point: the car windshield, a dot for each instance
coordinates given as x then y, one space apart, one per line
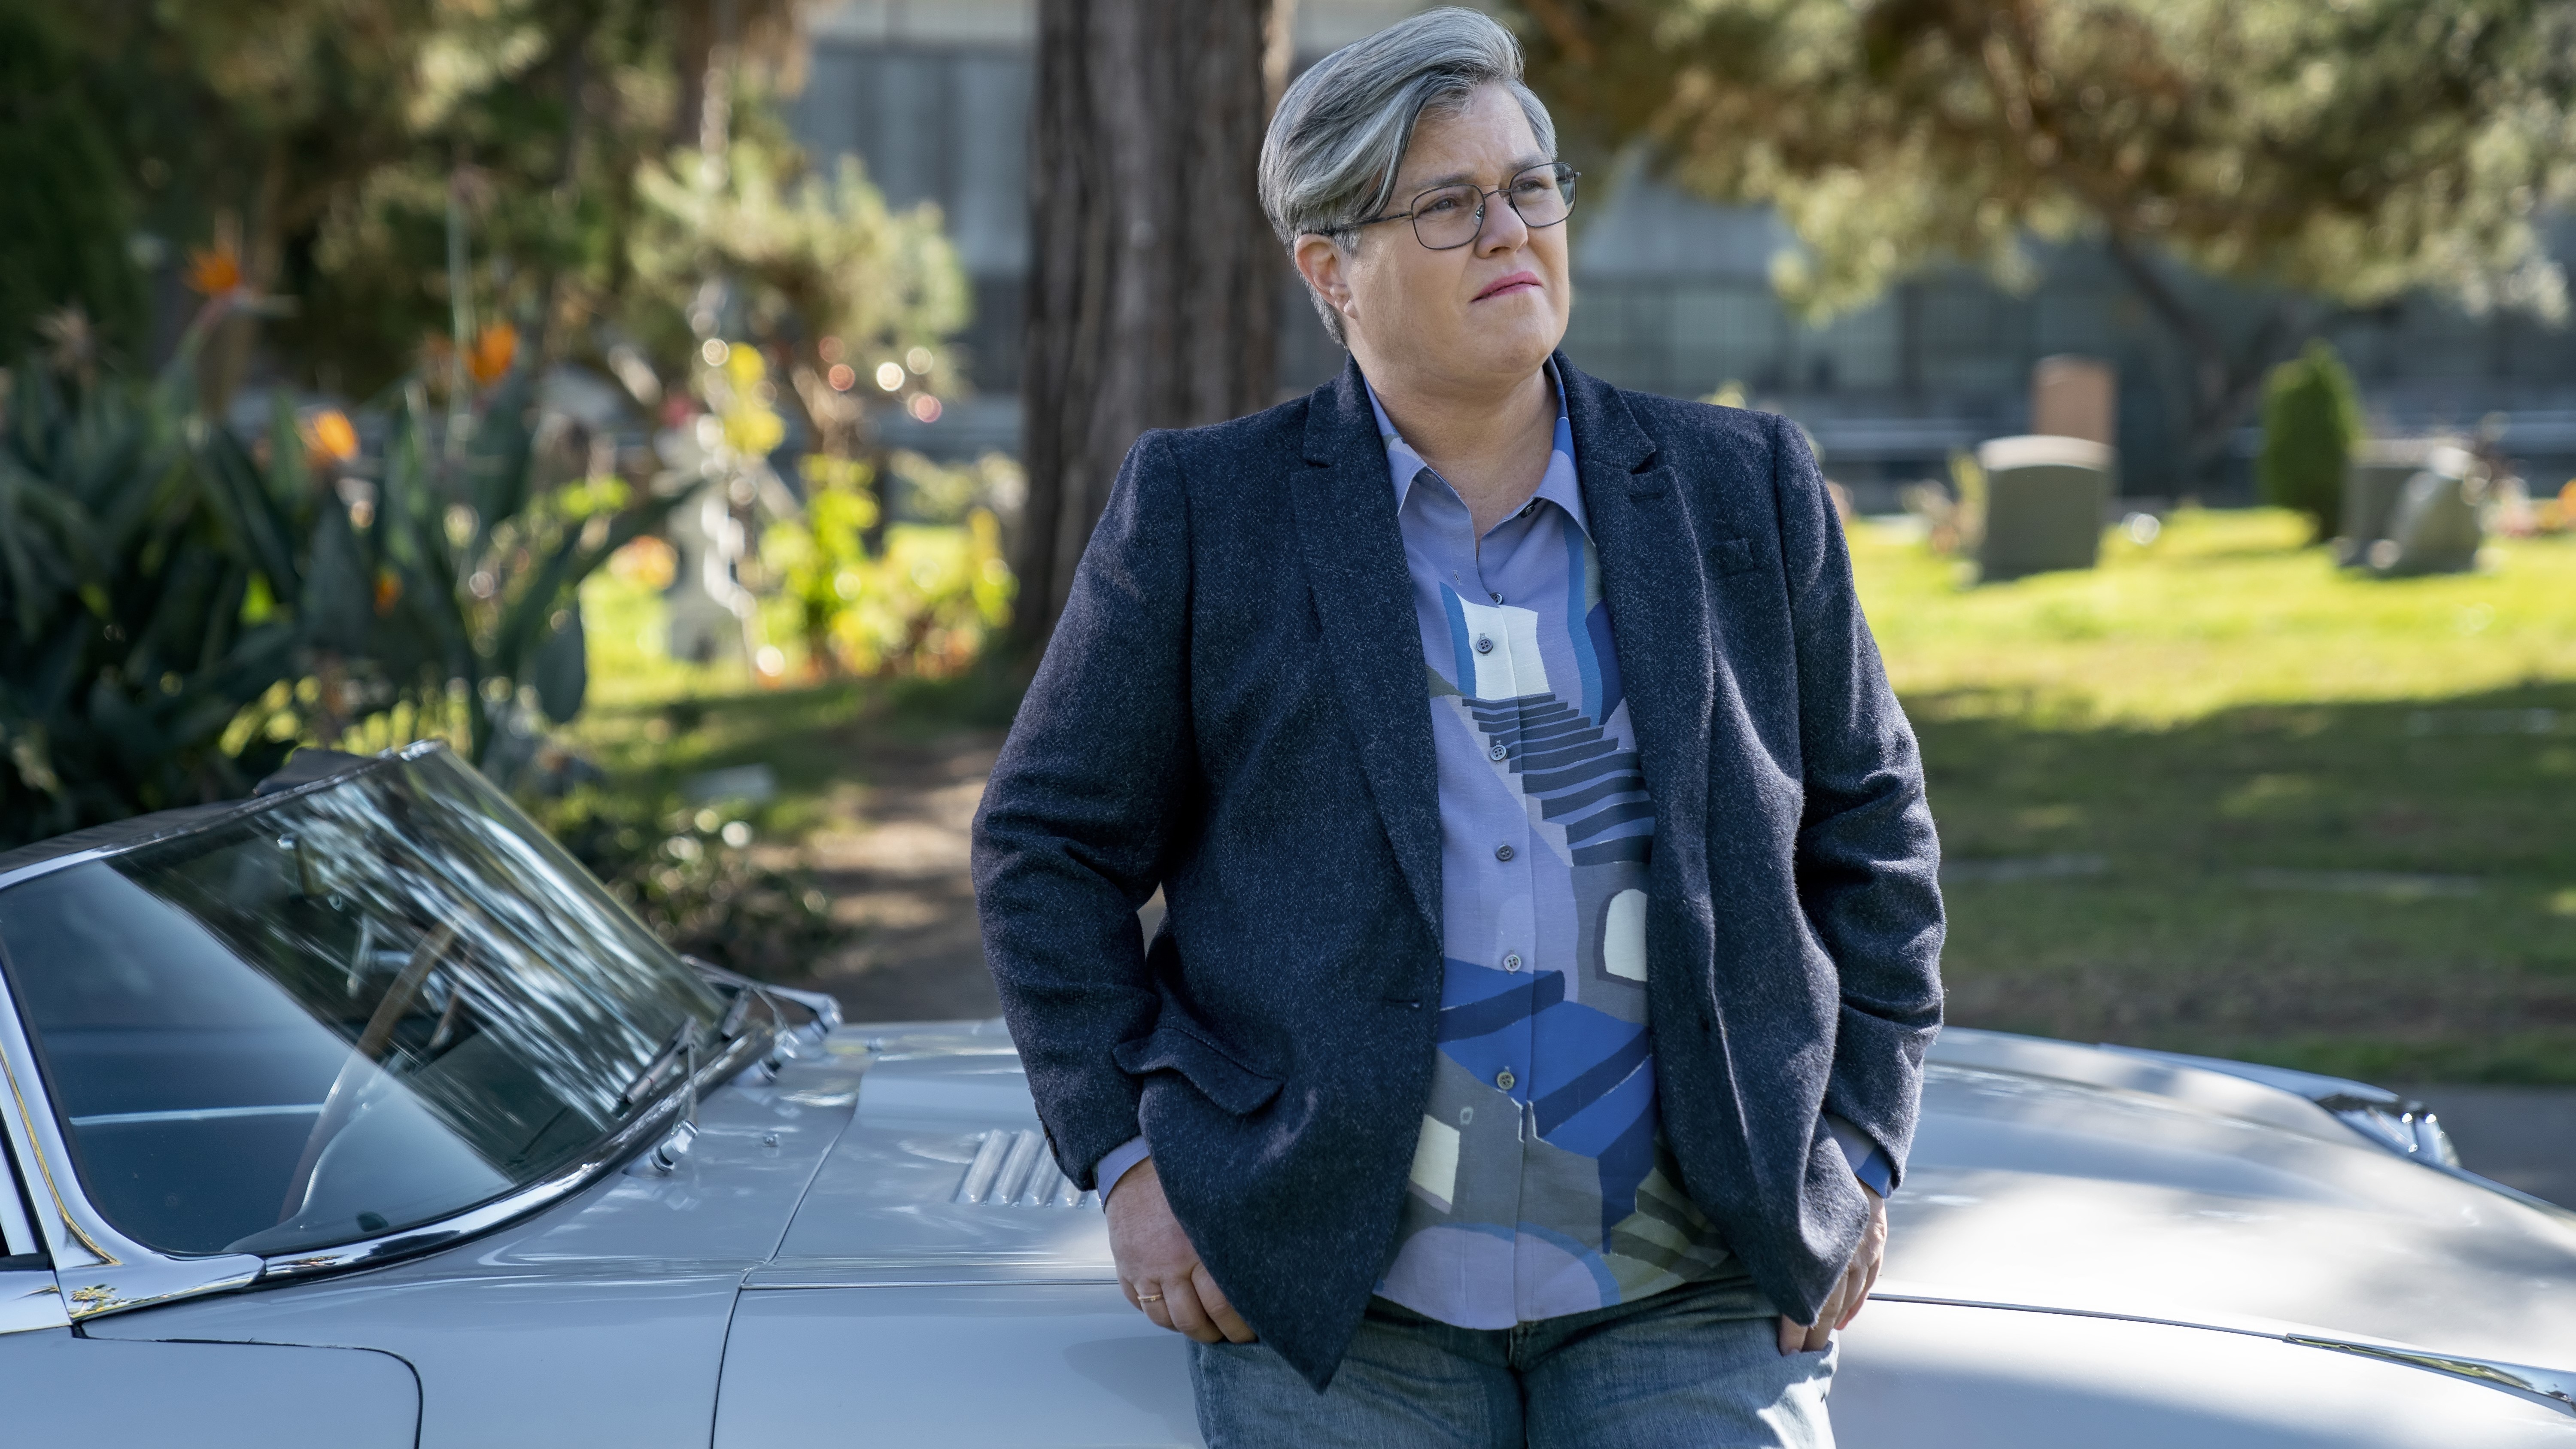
359 1010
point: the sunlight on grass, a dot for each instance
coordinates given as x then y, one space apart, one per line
2224 609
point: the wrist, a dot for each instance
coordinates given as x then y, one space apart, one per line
1136 1171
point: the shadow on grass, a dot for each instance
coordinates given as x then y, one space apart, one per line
2380 890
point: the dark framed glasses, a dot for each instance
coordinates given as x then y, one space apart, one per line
1446 217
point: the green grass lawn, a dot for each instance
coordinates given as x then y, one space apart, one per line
652 721
2216 796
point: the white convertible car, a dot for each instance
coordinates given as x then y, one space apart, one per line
355 1115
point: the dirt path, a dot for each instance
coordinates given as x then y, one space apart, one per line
899 871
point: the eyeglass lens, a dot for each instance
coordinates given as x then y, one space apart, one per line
1449 216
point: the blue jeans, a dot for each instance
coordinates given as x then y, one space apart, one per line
1688 1368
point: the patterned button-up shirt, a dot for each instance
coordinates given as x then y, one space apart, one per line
1540 1183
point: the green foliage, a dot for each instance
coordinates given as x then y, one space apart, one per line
2354 150
148 581
924 604
66 197
814 256
451 595
695 880
2311 420
817 559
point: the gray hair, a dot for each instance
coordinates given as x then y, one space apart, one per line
1341 131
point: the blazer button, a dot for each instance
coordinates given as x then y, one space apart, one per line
1502 852
1504 1079
1484 644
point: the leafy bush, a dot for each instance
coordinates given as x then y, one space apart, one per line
465 579
922 605
149 583
178 610
695 880
2311 420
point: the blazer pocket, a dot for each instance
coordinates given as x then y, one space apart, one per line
1730 556
1217 1075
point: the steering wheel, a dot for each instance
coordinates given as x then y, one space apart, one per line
342 1102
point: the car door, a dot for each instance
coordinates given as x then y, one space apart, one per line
58 1386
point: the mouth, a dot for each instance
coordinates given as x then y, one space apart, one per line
1516 282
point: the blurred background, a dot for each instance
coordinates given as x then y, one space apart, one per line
692 412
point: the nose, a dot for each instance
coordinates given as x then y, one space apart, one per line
1502 229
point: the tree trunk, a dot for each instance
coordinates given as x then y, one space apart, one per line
2226 381
1154 281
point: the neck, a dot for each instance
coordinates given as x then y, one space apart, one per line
1488 440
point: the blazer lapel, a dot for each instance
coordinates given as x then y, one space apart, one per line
1354 554
1650 573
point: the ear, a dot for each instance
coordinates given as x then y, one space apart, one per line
1325 265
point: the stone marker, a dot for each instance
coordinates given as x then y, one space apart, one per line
2411 506
2076 397
2045 501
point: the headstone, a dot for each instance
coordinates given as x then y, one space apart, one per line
2046 498
2411 506
2076 397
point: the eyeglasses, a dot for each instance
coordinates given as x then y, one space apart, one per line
1447 217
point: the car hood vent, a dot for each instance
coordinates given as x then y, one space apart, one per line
1014 1169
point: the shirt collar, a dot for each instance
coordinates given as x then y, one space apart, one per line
1557 486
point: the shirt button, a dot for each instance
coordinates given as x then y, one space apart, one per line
1484 644
1504 1079
1529 508
1498 598
1512 961
1502 852
1498 754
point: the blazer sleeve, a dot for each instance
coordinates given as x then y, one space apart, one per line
1868 863
1079 815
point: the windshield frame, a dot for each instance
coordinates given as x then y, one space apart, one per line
85 1245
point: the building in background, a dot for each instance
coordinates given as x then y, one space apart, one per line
1674 293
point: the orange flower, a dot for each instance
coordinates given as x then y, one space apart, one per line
490 356
388 592
331 437
214 271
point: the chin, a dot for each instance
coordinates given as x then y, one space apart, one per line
1518 345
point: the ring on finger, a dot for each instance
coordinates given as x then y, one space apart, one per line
1149 1297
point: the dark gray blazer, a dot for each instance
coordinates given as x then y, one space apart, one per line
1233 709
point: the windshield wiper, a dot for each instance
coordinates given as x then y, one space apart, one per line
683 1045
731 1025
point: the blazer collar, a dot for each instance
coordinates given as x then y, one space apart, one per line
1654 579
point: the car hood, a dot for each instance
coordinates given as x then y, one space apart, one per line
2044 1175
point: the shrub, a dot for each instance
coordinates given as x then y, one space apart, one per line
696 879
148 592
2311 420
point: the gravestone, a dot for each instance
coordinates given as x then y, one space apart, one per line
2411 506
2046 497
2075 397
